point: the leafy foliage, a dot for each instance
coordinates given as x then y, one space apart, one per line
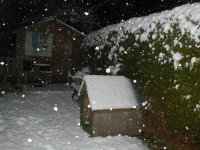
152 64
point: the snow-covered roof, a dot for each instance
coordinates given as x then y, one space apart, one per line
79 75
111 92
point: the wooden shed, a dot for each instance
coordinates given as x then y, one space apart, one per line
47 50
110 105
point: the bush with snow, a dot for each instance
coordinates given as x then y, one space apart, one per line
162 52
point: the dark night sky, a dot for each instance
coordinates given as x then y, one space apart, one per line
20 13
14 13
113 11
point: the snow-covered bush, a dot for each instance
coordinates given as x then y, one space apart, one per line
161 52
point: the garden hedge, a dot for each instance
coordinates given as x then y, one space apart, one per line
162 53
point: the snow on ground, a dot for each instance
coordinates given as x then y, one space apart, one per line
48 119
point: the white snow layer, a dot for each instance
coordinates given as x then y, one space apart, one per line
30 122
186 17
176 57
110 92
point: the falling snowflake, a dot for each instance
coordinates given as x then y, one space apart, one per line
29 140
55 108
134 107
97 48
86 13
2 63
144 103
108 70
76 136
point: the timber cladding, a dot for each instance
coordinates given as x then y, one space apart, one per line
64 54
117 121
110 122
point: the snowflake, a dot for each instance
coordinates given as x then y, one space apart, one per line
108 70
86 13
97 48
2 63
55 108
29 140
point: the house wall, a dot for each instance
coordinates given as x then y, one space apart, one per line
66 53
118 121
7 70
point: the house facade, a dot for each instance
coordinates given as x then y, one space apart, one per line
47 51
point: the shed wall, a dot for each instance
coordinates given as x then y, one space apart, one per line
86 113
110 122
119 121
